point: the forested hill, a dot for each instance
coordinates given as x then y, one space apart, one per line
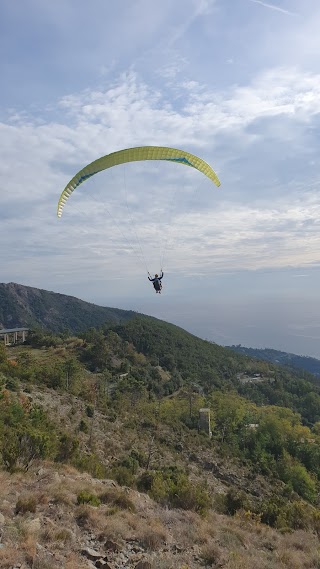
28 306
175 349
312 365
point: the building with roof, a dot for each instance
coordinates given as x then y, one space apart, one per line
13 335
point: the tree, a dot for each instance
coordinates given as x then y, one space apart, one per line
72 370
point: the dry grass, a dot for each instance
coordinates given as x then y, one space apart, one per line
108 496
73 561
153 536
252 560
53 534
300 540
117 498
26 504
4 485
9 557
292 559
61 495
67 469
29 547
43 562
232 537
121 526
213 555
64 535
90 518
123 501
173 538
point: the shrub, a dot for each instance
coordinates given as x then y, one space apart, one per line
108 496
286 515
154 538
85 497
12 384
21 446
123 501
26 504
89 411
212 555
172 487
83 426
122 475
117 500
131 463
298 478
68 447
235 500
90 463
144 482
63 535
140 457
295 515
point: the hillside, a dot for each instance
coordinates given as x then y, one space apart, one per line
44 525
311 365
188 360
103 464
28 306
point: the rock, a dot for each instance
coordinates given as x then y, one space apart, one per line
2 520
177 549
102 564
137 549
136 557
112 546
92 554
143 565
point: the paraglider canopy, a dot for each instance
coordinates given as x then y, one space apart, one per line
139 153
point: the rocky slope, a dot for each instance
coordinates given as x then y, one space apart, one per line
43 526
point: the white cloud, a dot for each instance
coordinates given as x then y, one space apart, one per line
214 234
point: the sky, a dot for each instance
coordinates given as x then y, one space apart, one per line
236 82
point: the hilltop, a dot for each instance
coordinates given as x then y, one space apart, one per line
22 305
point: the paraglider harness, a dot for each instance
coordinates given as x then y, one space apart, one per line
157 284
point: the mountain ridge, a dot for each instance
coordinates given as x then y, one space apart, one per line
22 305
279 357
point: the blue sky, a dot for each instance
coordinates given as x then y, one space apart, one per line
236 82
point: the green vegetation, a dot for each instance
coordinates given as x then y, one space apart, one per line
151 378
86 497
306 363
26 306
171 487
